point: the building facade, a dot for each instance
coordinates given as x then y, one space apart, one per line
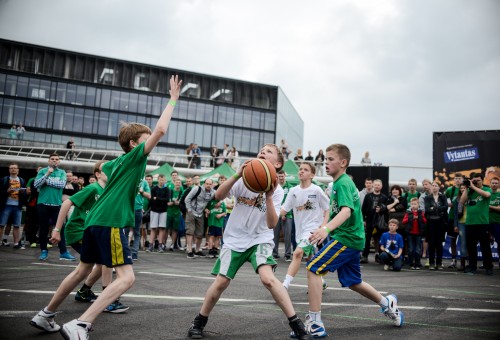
59 94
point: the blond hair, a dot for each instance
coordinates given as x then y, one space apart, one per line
341 150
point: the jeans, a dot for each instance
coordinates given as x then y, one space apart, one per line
137 233
46 215
286 225
391 261
479 233
12 213
462 238
414 249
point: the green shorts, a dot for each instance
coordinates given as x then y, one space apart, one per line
173 222
230 261
307 247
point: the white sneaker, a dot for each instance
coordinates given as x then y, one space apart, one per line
45 322
386 267
392 311
315 328
76 330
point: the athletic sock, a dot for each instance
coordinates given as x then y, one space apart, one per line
85 287
293 318
315 316
384 303
288 280
48 312
202 317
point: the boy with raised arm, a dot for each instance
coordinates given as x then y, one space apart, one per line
105 239
249 237
341 254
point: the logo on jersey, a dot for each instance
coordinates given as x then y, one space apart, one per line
307 206
257 202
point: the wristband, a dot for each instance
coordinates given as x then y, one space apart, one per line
236 176
327 230
57 229
172 102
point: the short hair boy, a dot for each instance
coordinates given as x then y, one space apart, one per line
346 228
391 246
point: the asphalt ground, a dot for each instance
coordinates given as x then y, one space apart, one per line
169 290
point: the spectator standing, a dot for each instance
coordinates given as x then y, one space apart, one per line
436 207
225 153
189 157
234 157
196 156
298 157
309 157
285 222
31 219
174 213
459 219
415 222
196 201
320 159
50 182
70 145
143 192
427 184
216 211
396 207
391 247
81 182
13 132
158 203
12 199
20 131
366 161
477 199
92 179
451 194
374 210
214 152
495 211
70 188
285 149
412 191
366 190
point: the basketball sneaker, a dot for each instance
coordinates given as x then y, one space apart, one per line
196 329
392 311
116 308
45 322
299 331
85 295
76 329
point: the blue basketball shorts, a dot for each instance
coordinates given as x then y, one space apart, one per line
106 245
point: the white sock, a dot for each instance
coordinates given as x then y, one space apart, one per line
384 303
315 316
47 311
288 280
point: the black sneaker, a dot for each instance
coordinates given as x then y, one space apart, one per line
288 259
86 295
199 253
190 255
299 330
196 329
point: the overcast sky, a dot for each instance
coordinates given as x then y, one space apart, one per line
375 75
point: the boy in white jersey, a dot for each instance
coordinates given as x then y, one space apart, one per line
249 237
309 204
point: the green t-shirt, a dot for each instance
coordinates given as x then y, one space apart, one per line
451 193
478 208
213 221
140 201
115 208
409 196
48 194
286 188
174 210
345 194
83 201
495 201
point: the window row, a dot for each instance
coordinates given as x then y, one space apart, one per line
68 119
123 101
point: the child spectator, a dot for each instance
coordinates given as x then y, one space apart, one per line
174 213
415 222
216 211
391 247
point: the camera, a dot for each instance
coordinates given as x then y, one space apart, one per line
466 181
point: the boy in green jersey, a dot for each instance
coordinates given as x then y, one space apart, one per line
174 212
216 211
105 239
341 254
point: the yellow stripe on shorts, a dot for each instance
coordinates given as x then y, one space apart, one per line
324 252
116 247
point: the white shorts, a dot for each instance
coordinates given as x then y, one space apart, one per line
158 220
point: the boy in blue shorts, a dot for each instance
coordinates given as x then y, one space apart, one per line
341 254
249 237
216 211
105 239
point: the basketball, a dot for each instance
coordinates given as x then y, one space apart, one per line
259 175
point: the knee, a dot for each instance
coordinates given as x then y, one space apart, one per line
269 281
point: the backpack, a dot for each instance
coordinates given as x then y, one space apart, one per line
182 203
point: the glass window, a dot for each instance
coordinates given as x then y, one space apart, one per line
10 85
124 97
237 138
103 119
58 118
71 94
69 114
88 120
113 124
61 93
105 98
50 117
44 92
245 140
78 120
42 115
238 117
80 94
229 116
7 111
191 112
190 128
19 111
143 103
156 106
31 117
268 138
255 142
34 89
182 109
3 79
198 135
181 133
228 137
200 112
22 87
207 135
219 136
172 132
270 121
247 118
53 91
115 100
255 120
98 94
90 96
133 101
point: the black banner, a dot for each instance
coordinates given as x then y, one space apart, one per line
466 152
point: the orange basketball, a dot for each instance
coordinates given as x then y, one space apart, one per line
259 175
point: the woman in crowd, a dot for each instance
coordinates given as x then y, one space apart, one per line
436 207
214 152
396 206
319 159
299 157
